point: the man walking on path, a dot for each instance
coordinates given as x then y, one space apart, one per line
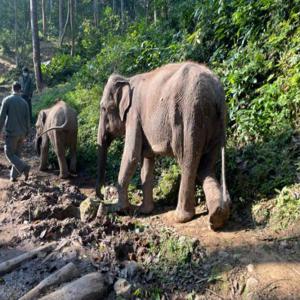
14 117
27 88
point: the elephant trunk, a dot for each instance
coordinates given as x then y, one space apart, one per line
101 164
103 142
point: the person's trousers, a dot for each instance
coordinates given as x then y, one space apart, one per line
12 149
28 100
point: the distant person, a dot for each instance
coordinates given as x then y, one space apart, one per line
27 88
15 118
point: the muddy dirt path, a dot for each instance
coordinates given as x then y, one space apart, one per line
240 262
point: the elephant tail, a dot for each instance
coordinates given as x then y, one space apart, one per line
61 127
225 194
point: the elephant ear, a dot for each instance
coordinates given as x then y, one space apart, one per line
123 98
43 117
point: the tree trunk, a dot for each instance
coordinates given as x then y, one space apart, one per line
71 7
16 34
50 10
96 12
146 2
66 25
114 6
75 8
44 17
122 12
60 17
35 45
155 14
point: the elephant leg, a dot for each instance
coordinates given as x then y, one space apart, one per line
44 153
73 161
147 185
218 209
61 157
130 158
185 210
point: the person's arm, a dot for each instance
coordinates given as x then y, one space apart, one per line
21 83
3 114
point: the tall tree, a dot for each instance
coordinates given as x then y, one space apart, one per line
35 44
154 13
50 10
122 12
44 16
16 34
114 6
96 12
65 27
60 18
71 7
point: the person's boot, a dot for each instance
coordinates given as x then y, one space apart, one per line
26 173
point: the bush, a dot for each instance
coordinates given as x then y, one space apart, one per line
61 68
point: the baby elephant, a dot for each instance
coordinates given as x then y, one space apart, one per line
58 125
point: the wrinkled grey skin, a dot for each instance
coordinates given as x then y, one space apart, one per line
177 110
57 125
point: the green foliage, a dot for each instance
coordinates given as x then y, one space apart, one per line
168 184
173 251
287 206
61 68
256 170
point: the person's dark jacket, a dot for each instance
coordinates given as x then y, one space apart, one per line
14 116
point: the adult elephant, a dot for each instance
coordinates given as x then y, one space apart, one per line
176 110
57 125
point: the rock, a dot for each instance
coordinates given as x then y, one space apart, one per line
88 209
251 284
131 269
250 268
4 196
122 288
284 244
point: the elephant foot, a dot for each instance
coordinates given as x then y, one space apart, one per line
42 168
146 209
73 172
64 176
218 217
182 216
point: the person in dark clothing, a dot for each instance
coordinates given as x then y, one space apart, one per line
27 87
15 119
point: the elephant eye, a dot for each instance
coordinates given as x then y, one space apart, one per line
111 109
